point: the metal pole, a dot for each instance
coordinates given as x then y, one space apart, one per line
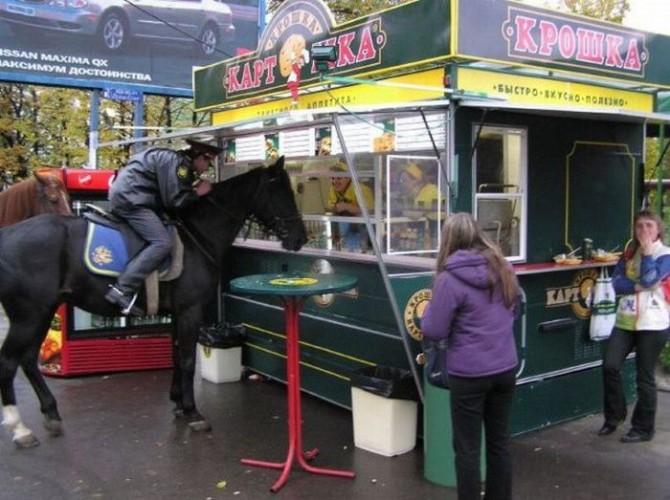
94 119
660 171
382 265
138 120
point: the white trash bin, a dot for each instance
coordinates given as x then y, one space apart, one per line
382 425
384 410
220 365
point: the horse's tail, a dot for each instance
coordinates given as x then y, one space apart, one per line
3 265
4 269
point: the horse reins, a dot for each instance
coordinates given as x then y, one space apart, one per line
278 222
277 225
196 242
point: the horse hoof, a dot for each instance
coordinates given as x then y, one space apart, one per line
53 427
200 426
27 441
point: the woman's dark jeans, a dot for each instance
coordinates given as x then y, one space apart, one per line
488 401
648 345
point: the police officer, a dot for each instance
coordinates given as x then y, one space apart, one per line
154 181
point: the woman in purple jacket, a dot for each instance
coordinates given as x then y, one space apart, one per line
474 304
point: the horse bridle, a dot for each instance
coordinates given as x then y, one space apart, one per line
278 224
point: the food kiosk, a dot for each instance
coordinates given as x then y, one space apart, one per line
533 120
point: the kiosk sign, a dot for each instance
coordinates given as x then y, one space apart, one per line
551 38
293 31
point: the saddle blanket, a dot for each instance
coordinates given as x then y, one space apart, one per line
105 251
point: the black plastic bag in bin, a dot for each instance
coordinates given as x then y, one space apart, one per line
222 335
386 381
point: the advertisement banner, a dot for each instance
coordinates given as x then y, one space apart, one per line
148 45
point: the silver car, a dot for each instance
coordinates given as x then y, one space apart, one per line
114 23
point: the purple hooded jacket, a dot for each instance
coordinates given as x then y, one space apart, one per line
479 327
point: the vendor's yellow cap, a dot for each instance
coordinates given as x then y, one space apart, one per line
339 167
414 170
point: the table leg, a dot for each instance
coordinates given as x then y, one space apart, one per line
292 306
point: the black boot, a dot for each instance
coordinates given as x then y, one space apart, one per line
124 300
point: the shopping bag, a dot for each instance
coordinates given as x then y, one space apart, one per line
603 307
435 352
665 286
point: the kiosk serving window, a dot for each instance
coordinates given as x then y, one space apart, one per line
500 174
414 194
391 158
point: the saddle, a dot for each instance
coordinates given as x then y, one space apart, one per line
111 243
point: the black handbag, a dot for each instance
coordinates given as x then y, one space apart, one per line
435 352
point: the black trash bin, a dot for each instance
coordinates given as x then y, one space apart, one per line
384 409
220 352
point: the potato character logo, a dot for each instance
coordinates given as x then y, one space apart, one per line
326 146
385 142
294 44
292 57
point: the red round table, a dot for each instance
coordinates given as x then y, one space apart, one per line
294 289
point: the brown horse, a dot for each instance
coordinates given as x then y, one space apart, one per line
43 193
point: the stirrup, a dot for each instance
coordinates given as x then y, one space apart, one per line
129 308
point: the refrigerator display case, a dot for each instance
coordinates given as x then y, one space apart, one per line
81 343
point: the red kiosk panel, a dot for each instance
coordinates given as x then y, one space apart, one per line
80 343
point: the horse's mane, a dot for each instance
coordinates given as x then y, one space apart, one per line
18 202
234 190
232 195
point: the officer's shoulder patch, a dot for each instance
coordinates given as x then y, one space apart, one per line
182 172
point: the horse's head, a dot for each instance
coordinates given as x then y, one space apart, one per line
274 207
52 195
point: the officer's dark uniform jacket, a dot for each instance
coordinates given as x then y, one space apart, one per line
154 181
158 178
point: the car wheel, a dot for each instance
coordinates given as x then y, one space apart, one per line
114 32
209 40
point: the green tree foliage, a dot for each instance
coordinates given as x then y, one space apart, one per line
44 126
606 10
17 130
344 10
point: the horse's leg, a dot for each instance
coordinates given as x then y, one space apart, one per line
184 352
22 348
48 405
175 387
13 349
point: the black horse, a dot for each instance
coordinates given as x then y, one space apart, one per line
42 265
